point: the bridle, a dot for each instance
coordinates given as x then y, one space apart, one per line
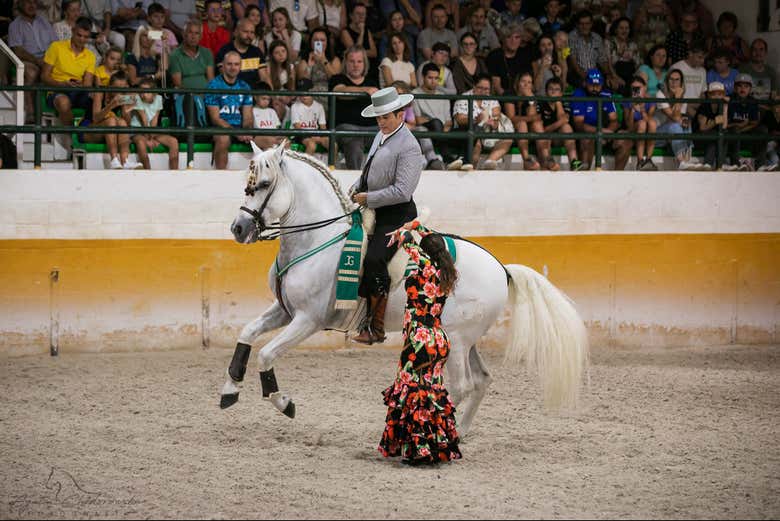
252 187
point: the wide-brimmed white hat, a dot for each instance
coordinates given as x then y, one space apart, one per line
385 101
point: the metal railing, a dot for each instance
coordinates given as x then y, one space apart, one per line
469 135
19 112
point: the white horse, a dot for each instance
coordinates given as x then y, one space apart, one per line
297 190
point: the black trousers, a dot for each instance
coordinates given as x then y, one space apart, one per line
376 279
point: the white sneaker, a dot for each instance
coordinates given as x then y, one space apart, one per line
768 168
467 167
455 165
687 165
729 168
132 165
489 164
115 164
704 167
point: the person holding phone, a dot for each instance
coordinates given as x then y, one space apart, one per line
143 62
638 118
128 16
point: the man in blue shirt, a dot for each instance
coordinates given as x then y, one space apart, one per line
229 110
585 113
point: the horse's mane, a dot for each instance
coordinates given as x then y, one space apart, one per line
319 166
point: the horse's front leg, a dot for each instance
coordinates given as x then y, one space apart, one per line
273 318
299 329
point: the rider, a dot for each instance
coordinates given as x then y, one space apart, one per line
387 184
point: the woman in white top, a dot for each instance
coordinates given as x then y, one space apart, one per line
255 15
282 29
333 16
397 65
672 117
71 11
280 75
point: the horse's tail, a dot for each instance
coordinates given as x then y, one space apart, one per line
548 332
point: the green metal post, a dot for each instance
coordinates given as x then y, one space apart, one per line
332 127
190 98
599 123
37 134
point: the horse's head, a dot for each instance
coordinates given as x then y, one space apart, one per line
266 199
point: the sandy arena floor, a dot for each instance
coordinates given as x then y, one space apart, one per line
664 433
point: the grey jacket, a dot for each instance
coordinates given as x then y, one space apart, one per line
395 170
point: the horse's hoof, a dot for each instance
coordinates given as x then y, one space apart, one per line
288 411
227 400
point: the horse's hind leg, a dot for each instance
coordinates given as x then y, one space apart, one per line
299 329
273 318
480 381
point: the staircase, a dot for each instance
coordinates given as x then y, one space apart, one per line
53 155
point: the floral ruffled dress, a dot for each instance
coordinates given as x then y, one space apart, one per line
420 425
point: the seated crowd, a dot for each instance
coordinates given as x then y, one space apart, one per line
662 50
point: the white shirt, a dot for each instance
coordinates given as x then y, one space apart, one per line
399 70
461 106
695 79
266 118
659 115
385 137
308 116
299 11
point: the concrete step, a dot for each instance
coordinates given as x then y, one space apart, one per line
47 165
53 151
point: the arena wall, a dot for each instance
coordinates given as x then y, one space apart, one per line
136 261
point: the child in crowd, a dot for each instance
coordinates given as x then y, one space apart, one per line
744 117
525 118
562 45
556 119
112 62
638 118
156 18
107 111
552 22
771 123
215 36
306 113
710 118
265 117
146 113
722 71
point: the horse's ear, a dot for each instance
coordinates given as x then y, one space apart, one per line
279 150
255 149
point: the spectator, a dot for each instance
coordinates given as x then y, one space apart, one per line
348 110
112 62
433 115
493 16
673 117
721 71
587 48
487 118
556 119
143 62
694 74
99 13
396 66
356 34
229 110
638 118
191 67
252 58
70 64
146 113
585 115
744 117
308 114
214 36
680 40
467 66
433 161
396 24
71 11
225 21
654 69
771 122
623 57
548 65
552 22
303 13
727 38
128 16
412 13
265 117
437 32
451 7
653 21
703 15
764 76
710 118
156 17
512 15
525 118
441 56
332 15
486 36
255 17
29 36
319 63
508 62
244 8
177 14
107 112
614 13
283 30
280 75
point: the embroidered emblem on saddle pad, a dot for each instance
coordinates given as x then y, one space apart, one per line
351 263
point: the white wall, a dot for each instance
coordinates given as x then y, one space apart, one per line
201 205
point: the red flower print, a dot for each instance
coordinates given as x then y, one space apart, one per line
414 255
430 289
436 310
406 378
422 336
439 337
412 293
412 357
429 271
